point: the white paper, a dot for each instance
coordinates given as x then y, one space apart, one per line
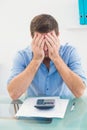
28 110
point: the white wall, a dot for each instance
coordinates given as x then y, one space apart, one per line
15 17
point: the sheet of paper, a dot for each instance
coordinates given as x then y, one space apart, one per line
28 110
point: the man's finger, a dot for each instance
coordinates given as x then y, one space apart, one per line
42 44
34 37
50 40
37 39
48 45
54 35
40 41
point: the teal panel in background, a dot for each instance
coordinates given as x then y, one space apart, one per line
81 11
85 11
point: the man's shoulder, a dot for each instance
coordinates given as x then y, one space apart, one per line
67 46
24 54
66 50
26 50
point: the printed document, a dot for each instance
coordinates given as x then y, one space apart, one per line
28 108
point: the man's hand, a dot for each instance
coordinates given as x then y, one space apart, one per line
37 47
53 44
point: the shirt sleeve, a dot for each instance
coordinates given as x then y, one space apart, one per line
76 66
17 67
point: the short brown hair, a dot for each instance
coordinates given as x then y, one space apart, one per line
43 23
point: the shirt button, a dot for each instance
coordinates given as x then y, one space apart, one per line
47 88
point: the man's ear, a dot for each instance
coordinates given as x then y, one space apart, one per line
58 34
31 35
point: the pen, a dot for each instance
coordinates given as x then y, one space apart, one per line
73 106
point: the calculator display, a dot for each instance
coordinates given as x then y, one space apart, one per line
45 103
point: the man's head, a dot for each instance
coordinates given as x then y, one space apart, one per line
43 23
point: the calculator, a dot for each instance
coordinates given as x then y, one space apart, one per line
45 103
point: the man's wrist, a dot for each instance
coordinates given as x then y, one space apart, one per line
56 59
37 61
33 66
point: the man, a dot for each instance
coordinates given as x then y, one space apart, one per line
46 68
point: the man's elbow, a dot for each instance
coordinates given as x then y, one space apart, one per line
12 94
80 93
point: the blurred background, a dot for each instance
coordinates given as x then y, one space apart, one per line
15 18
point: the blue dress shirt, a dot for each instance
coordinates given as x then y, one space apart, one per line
49 83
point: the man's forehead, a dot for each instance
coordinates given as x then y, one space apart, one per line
44 33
